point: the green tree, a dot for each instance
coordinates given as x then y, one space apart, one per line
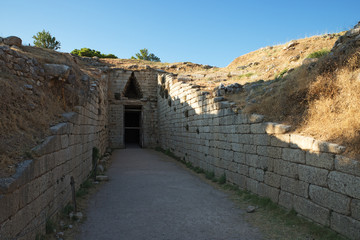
87 52
144 55
45 40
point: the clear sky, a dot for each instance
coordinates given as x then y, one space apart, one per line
199 31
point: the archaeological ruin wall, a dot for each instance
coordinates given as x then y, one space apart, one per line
132 107
297 172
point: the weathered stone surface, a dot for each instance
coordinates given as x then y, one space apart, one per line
275 128
329 199
256 118
102 178
345 225
297 187
355 209
12 40
313 175
272 179
273 152
321 146
311 210
286 199
261 139
293 155
298 141
59 129
321 160
286 168
270 192
256 173
280 140
347 165
57 70
344 183
258 128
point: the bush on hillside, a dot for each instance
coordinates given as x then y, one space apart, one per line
319 54
87 52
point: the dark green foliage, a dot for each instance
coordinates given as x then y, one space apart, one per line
319 54
67 209
50 226
87 52
209 175
145 55
222 179
45 40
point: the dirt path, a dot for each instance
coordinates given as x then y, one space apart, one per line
150 196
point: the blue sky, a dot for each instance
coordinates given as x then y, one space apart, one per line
199 31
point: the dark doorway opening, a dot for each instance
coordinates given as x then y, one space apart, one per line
132 125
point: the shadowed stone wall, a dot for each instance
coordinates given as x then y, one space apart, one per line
294 171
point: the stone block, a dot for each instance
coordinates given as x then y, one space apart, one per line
302 142
250 149
344 183
256 118
236 147
329 199
285 168
256 173
251 159
345 225
243 128
243 169
275 128
347 165
64 141
311 210
293 155
286 199
270 192
296 187
240 180
258 128
313 175
245 138
272 179
321 146
239 157
261 139
252 185
355 209
321 160
280 140
273 152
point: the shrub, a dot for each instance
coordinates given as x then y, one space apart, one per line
87 52
319 54
45 40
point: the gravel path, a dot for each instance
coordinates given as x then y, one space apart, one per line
150 196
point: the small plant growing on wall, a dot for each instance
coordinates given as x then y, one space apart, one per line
169 102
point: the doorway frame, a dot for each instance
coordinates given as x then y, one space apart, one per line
134 108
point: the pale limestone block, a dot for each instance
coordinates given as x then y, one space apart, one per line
313 175
302 142
272 179
355 208
296 187
286 199
321 146
344 183
239 157
64 141
275 128
321 160
256 118
345 225
347 165
270 192
311 210
280 140
240 180
286 168
261 139
257 128
293 155
329 199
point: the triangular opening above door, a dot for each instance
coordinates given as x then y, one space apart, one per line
132 88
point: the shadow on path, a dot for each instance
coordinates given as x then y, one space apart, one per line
149 196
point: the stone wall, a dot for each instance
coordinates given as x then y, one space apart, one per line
147 80
41 185
297 172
